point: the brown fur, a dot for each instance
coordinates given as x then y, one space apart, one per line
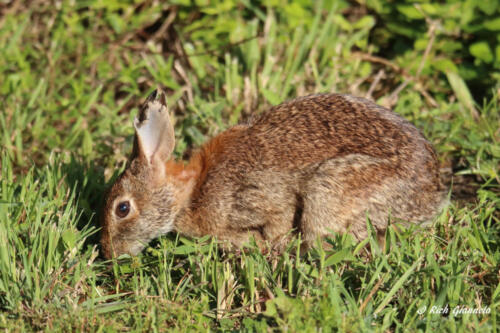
315 164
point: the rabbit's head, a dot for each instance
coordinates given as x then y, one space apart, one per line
144 201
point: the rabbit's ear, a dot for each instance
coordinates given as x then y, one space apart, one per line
155 138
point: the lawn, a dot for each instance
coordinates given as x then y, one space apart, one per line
72 75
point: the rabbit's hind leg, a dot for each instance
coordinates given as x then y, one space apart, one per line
343 192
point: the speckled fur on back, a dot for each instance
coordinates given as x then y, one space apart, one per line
312 165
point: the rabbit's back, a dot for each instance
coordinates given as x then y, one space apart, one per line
314 164
314 128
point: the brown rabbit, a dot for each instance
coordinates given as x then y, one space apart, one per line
312 165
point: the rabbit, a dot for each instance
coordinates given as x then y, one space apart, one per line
312 165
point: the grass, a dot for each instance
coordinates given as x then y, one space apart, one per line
71 78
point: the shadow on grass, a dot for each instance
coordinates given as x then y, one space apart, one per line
90 186
464 188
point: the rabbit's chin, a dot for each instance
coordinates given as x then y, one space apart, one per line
136 248
165 229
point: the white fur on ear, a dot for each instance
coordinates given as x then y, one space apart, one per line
154 130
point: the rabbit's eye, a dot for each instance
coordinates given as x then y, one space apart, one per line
123 209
